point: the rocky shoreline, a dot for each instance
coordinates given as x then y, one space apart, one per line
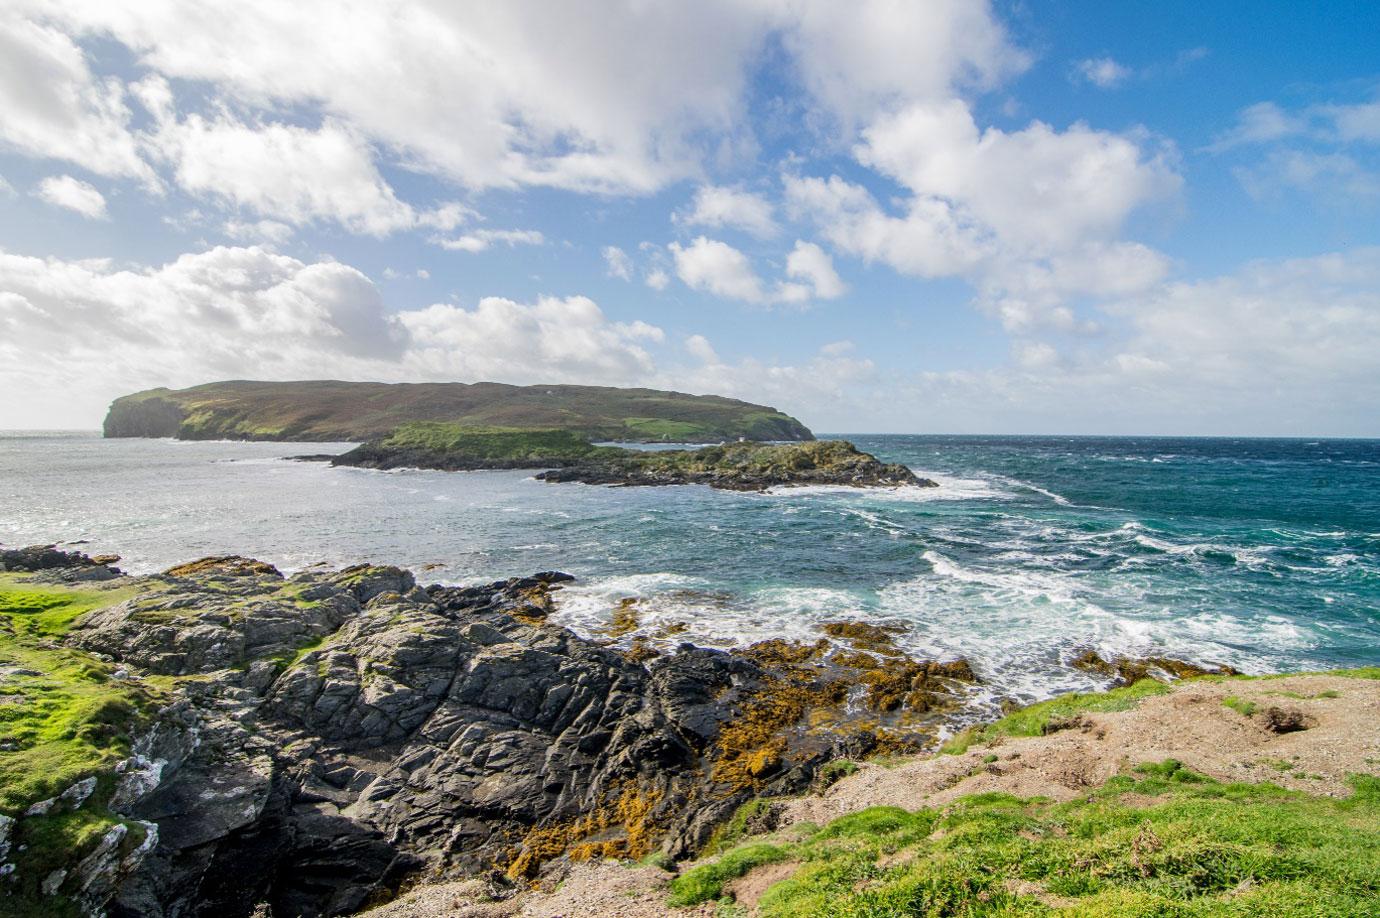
318 741
220 738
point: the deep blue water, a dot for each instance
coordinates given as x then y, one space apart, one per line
1264 554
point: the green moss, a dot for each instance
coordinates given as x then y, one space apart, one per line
289 659
706 882
50 611
57 840
1039 719
1201 848
63 715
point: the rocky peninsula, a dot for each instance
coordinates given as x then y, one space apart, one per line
566 457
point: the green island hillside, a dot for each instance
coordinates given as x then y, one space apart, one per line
328 410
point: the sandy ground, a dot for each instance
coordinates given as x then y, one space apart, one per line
1191 724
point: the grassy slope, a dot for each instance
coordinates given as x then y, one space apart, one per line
503 443
63 717
329 410
1164 841
1161 842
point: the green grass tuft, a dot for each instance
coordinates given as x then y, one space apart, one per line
1201 848
706 882
1039 719
1240 705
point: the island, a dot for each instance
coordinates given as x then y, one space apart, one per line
567 457
332 411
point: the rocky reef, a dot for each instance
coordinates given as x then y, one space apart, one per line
741 466
221 737
744 467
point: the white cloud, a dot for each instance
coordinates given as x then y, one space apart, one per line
700 348
1356 122
714 206
1034 187
860 59
6 189
810 263
283 172
484 239
269 231
1323 150
658 279
524 93
1288 347
718 268
77 333
551 340
73 194
829 384
1102 72
1031 217
54 107
618 263
1260 123
1337 176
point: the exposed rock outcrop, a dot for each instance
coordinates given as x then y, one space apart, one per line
744 467
327 737
738 466
51 558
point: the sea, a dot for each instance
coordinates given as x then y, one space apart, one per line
1262 554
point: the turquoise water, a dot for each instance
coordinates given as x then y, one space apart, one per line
1264 554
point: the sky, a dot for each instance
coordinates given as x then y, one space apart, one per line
938 217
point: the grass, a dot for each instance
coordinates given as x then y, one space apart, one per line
706 882
1198 848
670 431
1240 705
1046 716
63 717
490 442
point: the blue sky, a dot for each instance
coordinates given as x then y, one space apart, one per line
947 217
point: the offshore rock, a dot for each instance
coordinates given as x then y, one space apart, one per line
745 467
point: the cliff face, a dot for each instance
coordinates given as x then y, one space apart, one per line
332 410
147 416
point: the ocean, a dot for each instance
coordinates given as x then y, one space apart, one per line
1260 554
